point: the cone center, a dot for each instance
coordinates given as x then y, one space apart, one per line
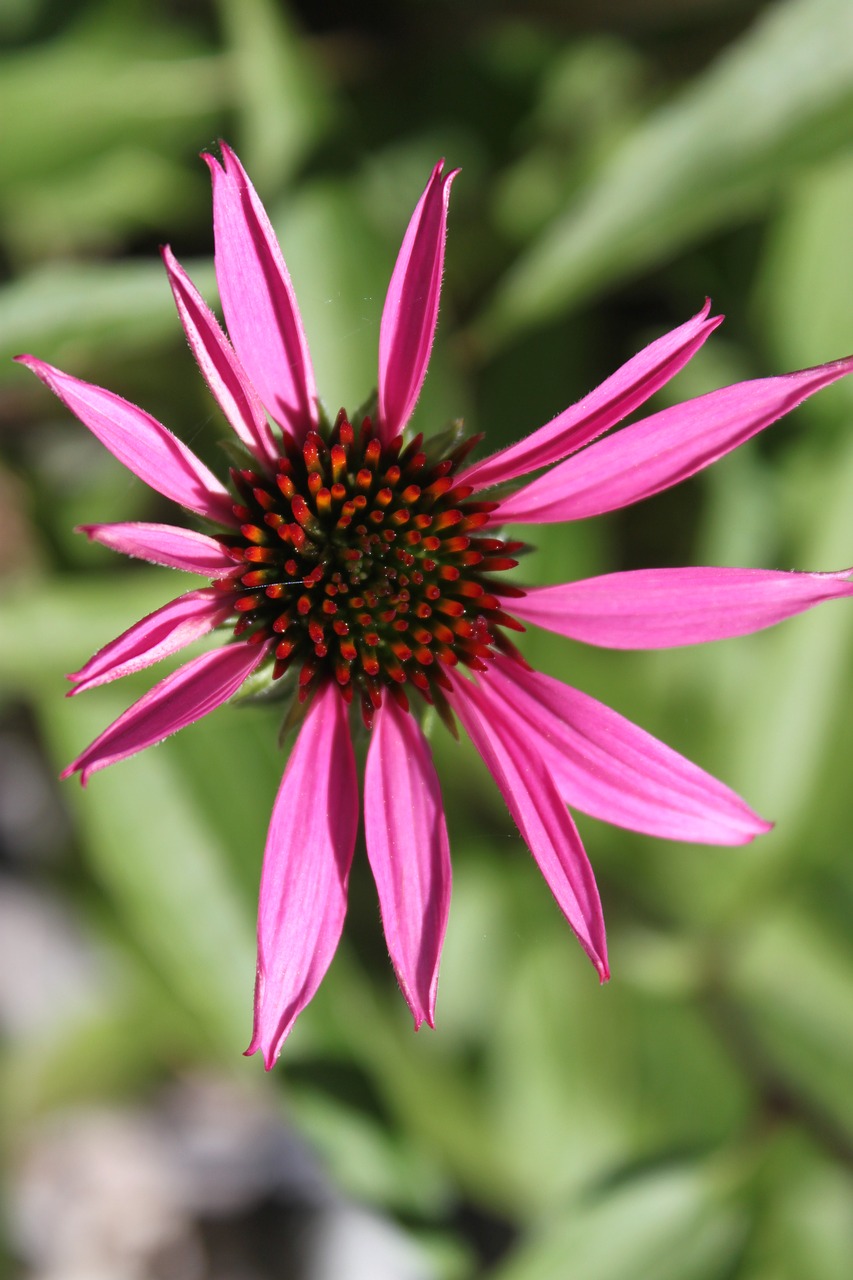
368 565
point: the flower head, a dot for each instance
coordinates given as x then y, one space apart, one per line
367 571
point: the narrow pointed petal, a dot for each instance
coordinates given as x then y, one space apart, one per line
621 393
140 442
164 544
663 608
309 850
612 769
183 697
411 306
222 371
258 300
409 853
648 456
503 740
165 631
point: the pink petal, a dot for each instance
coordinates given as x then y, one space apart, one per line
186 695
651 455
303 898
411 306
163 632
409 853
503 740
140 442
222 371
164 544
611 769
661 608
258 299
608 404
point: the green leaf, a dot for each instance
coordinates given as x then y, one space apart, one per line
282 101
340 265
338 268
711 156
583 1080
429 1095
161 862
70 314
114 78
802 303
50 625
661 1226
93 207
802 1223
130 1025
783 685
793 982
366 1158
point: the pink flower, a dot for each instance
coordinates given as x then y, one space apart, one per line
362 568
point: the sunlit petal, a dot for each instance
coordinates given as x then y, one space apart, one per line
411 306
610 768
183 697
222 371
409 853
164 544
504 743
661 608
258 299
605 406
648 456
303 896
140 442
161 633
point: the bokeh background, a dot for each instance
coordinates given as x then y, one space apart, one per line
694 1119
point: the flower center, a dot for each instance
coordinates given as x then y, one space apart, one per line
364 564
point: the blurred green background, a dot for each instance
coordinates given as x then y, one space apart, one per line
694 1119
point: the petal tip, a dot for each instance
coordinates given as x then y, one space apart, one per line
707 323
269 1055
31 362
215 168
421 1016
748 829
231 161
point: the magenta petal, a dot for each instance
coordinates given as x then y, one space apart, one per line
163 632
661 608
140 442
231 389
189 693
309 850
164 544
411 306
621 393
648 456
409 853
258 300
613 770
503 739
